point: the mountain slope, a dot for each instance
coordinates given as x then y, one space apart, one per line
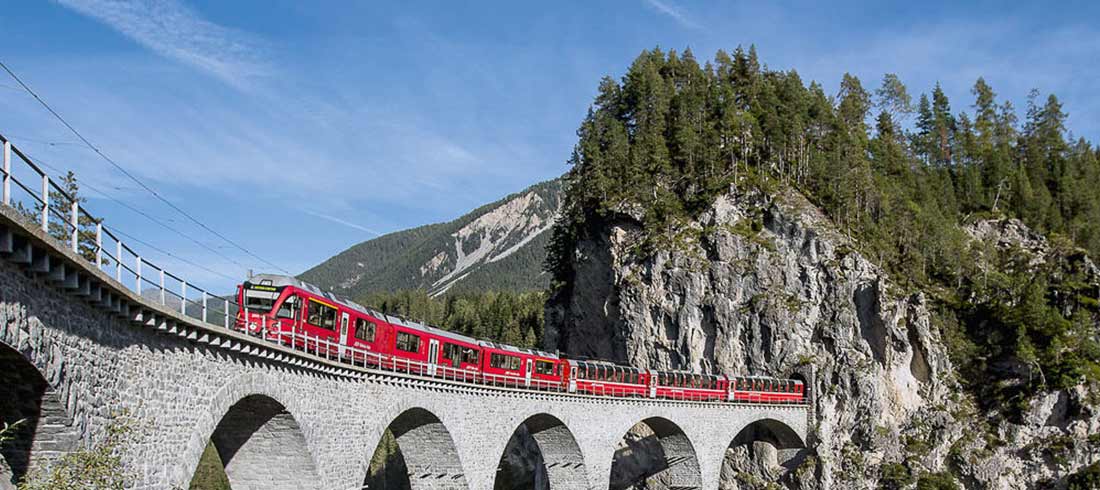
500 245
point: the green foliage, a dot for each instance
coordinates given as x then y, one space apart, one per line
504 316
894 476
659 145
210 474
387 470
1088 478
98 467
936 481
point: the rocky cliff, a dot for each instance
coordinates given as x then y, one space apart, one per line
767 286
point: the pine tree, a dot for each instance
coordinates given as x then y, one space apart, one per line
943 128
893 97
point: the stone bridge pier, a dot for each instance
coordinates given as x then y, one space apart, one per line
79 352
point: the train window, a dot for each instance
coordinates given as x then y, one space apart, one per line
260 300
544 367
407 342
501 361
289 308
451 352
364 330
321 315
469 355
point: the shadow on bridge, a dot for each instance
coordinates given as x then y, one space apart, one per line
262 447
542 454
655 453
416 453
44 431
767 449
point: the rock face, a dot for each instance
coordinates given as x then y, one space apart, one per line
766 286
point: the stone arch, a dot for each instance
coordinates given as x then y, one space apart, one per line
259 440
655 453
541 454
423 448
768 449
45 431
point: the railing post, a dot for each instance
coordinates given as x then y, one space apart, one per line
137 275
76 226
227 313
162 302
45 203
7 173
204 306
183 297
98 245
118 260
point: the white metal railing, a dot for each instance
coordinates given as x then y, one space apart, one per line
63 217
60 215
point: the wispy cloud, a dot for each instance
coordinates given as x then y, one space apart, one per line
675 12
175 31
343 222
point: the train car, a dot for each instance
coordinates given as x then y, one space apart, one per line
292 312
605 378
512 366
682 385
423 349
756 389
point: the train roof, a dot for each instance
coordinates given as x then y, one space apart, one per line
280 281
520 350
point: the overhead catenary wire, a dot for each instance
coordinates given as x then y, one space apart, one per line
121 169
154 220
172 255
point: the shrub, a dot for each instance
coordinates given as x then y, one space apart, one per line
99 467
937 481
895 476
1087 478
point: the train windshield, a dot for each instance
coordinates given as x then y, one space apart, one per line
260 299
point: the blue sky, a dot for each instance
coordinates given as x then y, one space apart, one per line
301 128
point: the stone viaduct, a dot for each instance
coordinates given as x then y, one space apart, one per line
80 351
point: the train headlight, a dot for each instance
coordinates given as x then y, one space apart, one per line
253 327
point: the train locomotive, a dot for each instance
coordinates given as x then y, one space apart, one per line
286 310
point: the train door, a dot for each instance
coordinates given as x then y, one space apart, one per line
652 384
344 318
433 356
530 365
572 378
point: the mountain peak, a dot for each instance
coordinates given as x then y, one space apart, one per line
498 245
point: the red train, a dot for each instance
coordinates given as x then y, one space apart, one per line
287 310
